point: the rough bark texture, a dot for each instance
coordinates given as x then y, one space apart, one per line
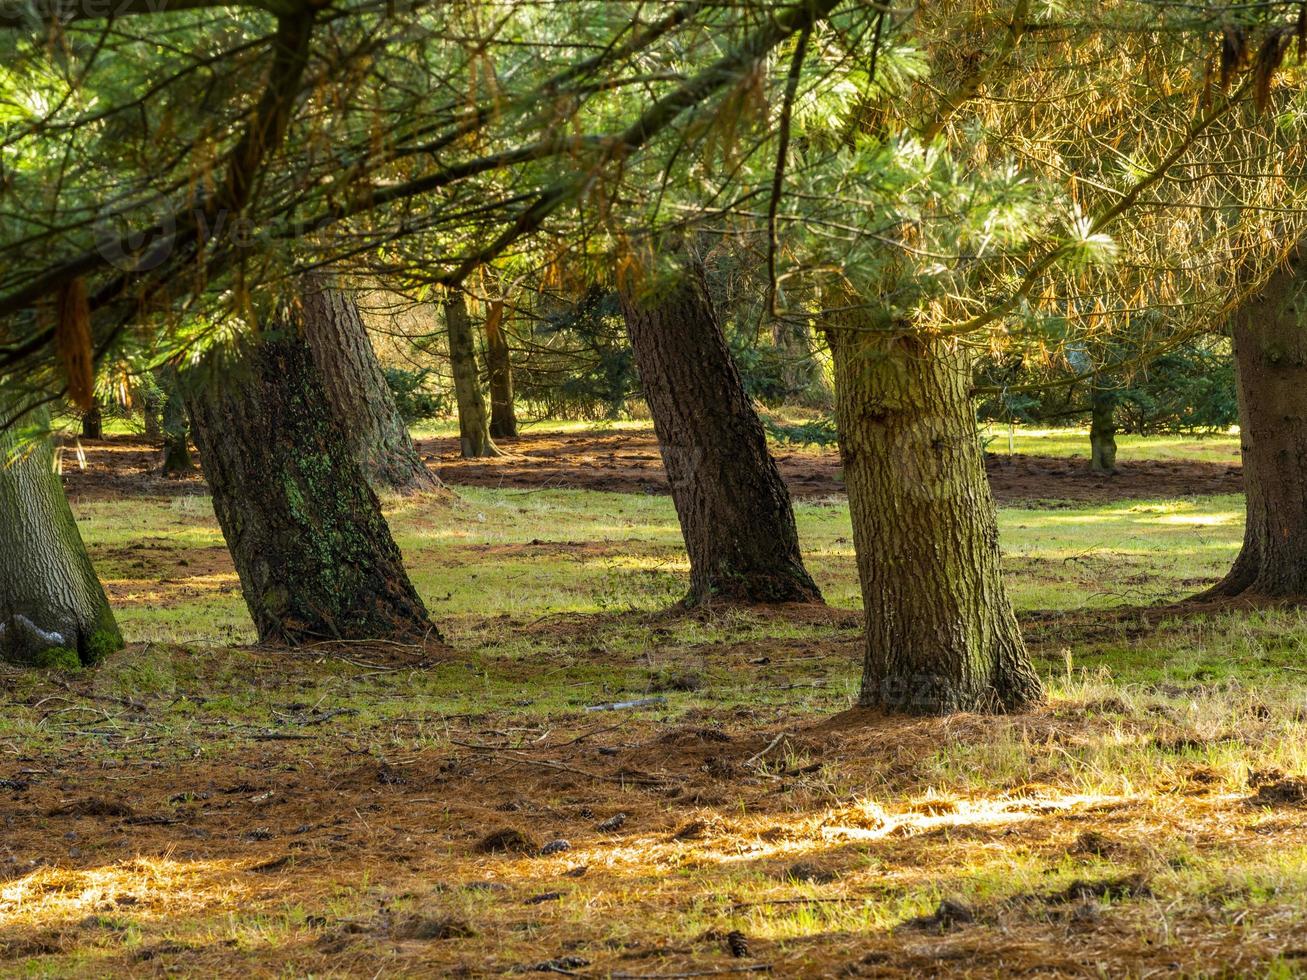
734 509
151 409
1102 430
499 367
314 555
356 387
93 423
473 420
53 609
1270 350
177 461
941 634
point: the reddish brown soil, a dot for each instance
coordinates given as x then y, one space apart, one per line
628 462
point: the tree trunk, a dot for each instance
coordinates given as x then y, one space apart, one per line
93 422
799 373
941 634
314 555
177 460
1270 352
473 421
1102 430
733 507
151 409
356 387
53 609
503 419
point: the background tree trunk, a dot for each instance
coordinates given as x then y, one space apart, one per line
151 409
52 607
177 460
93 422
503 418
315 557
1102 429
473 422
734 510
356 387
941 634
1270 352
800 374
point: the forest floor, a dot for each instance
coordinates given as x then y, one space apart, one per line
624 459
201 806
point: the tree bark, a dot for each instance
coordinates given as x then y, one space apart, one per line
799 371
503 418
93 422
1270 352
473 421
1102 430
733 507
314 555
356 386
151 409
941 634
53 609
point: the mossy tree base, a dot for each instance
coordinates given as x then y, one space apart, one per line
305 530
52 605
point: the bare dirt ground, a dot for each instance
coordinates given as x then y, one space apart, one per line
628 462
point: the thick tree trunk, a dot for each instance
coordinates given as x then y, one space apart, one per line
93 423
177 460
315 557
1270 352
734 509
473 421
1102 430
356 387
53 609
503 419
941 634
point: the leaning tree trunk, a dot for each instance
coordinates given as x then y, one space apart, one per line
1270 353
356 387
734 509
503 419
1102 429
314 555
177 460
941 634
473 421
53 609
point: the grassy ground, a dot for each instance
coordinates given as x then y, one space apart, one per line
1222 447
204 808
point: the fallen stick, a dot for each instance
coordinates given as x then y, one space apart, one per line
771 745
619 705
